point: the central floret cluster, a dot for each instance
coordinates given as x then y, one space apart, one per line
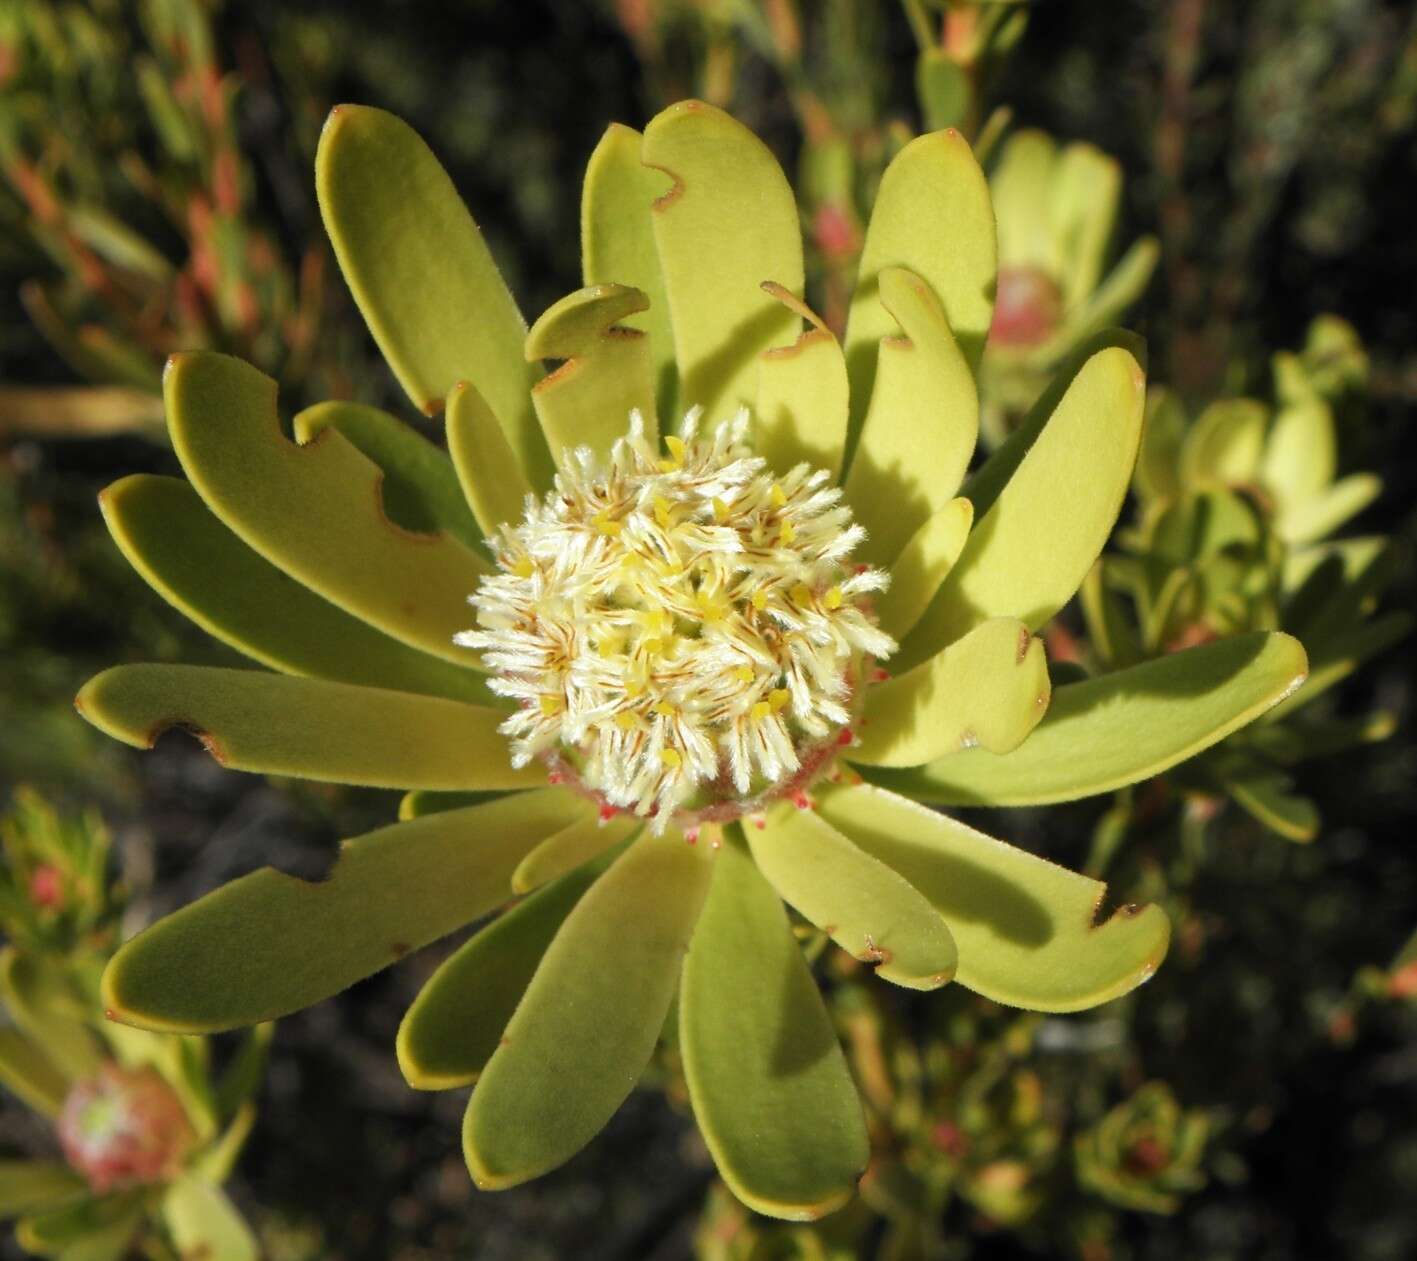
682 631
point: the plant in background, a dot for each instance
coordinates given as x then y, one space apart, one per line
654 662
148 1131
1145 1154
109 147
1237 510
1057 212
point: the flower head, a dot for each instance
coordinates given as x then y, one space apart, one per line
667 634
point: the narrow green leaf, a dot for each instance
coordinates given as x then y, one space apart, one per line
422 274
607 373
923 563
314 511
987 690
95 1228
416 804
269 944
80 411
1338 657
767 1079
1027 930
585 1029
1030 551
1084 207
572 847
40 1000
335 732
28 1186
491 478
218 1160
1224 445
29 1071
803 405
617 242
1111 300
419 490
1317 517
456 1022
859 902
204 1223
1267 797
728 224
1022 189
202 569
922 423
1120 728
933 215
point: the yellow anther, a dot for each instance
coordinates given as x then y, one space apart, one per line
664 709
654 645
744 674
605 525
832 599
676 449
786 534
626 721
778 698
779 498
524 568
663 512
671 758
801 594
720 510
759 599
610 646
761 710
550 705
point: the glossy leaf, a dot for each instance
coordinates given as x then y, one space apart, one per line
1030 551
204 1223
202 569
767 1079
572 847
486 466
1120 728
921 567
456 1022
584 1031
335 732
607 373
802 405
987 690
860 903
28 1186
617 241
933 215
314 511
728 224
922 423
421 273
419 490
1026 929
269 944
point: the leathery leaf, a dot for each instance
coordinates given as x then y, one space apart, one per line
587 1024
861 904
767 1079
269 944
1026 929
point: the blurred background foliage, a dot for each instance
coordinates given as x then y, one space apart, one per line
1254 1099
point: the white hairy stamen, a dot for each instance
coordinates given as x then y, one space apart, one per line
678 628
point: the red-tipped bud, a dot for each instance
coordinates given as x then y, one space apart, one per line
124 1128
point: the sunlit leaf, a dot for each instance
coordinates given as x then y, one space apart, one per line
987 690
276 725
859 902
269 943
1120 728
204 1223
201 568
922 423
768 1082
606 371
491 478
422 274
728 224
585 1028
314 511
572 847
1027 930
921 566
